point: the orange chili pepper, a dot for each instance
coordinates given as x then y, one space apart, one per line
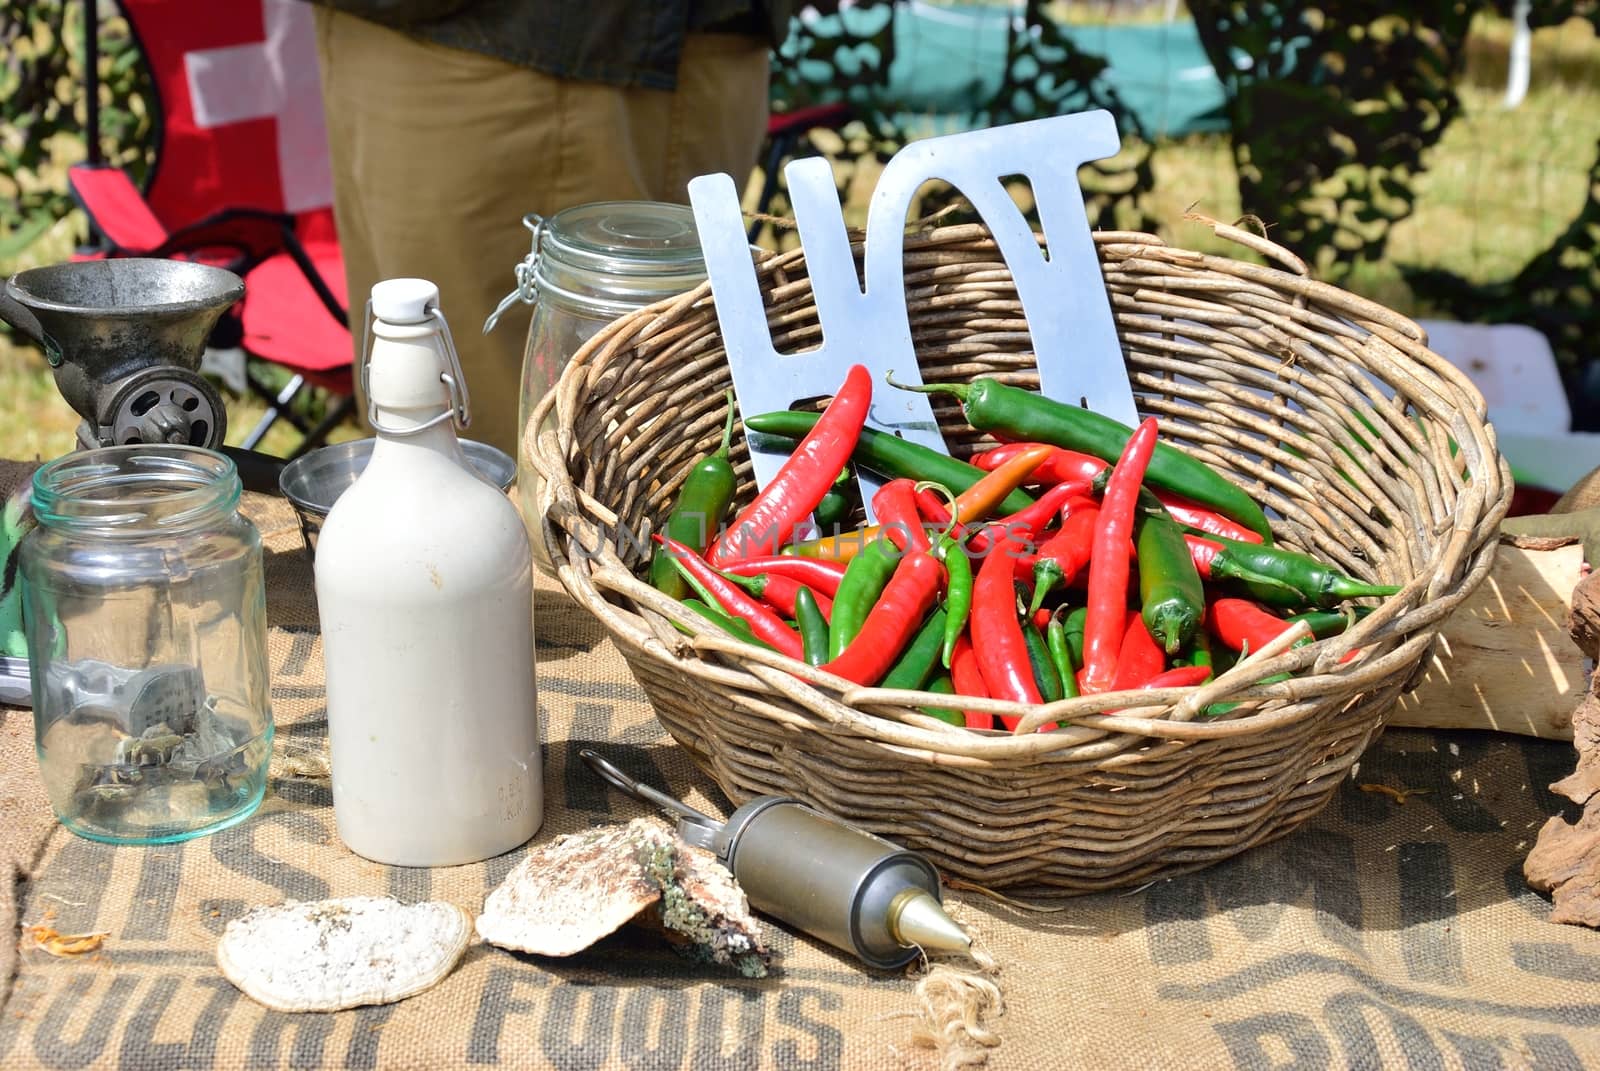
976 503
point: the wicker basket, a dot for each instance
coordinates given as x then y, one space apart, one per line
1255 369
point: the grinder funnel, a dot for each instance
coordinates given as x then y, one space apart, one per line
124 338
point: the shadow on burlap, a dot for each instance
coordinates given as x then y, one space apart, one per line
1380 934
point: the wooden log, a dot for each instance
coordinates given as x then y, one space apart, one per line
1505 661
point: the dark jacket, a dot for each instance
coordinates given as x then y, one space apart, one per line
620 42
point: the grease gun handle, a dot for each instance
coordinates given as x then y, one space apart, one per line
693 826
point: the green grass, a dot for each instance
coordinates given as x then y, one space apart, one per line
1499 186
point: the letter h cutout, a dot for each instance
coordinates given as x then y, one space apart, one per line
1061 287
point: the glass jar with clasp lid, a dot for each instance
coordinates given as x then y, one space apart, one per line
144 606
589 265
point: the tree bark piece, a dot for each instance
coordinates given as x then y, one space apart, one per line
1565 860
327 955
570 893
1584 621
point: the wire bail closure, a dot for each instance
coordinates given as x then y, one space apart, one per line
525 291
460 411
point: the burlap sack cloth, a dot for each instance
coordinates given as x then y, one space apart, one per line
1383 933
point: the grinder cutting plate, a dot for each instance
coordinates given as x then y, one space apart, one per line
1062 291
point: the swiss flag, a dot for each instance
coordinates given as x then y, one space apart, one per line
241 107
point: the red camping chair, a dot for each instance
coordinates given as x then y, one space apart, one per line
242 180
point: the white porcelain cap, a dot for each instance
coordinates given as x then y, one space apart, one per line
403 301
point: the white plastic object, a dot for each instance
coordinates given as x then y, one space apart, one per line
404 301
1521 65
1514 368
1062 290
425 592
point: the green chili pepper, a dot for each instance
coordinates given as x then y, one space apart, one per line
864 580
1262 589
917 662
1198 653
1023 415
1317 583
1055 638
702 503
944 686
1325 623
958 593
1171 596
834 509
890 455
1074 633
813 627
1045 675
733 626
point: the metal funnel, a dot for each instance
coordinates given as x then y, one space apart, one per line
99 320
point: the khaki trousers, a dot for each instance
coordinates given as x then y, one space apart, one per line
438 153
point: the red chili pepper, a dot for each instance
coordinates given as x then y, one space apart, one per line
767 626
1139 659
1196 516
1179 677
895 506
779 593
1022 569
819 574
1025 563
894 619
1108 568
1003 658
968 679
1079 503
1024 533
981 499
931 506
1042 512
1041 618
1061 466
1065 554
1243 625
768 522
1203 552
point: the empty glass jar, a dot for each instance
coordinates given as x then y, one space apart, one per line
145 611
589 265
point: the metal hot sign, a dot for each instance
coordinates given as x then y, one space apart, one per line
864 321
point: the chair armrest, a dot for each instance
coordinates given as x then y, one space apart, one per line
116 208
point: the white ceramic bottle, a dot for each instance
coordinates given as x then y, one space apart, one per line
424 590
